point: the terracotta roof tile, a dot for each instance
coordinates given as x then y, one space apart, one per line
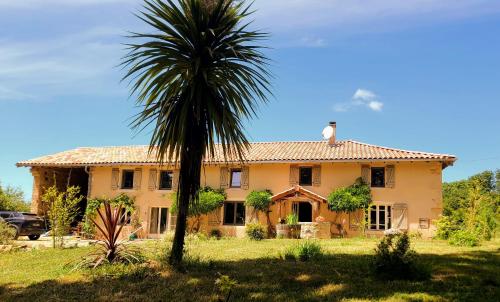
315 151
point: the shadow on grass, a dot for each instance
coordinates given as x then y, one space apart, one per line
472 276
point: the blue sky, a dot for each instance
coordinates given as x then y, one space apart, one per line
419 75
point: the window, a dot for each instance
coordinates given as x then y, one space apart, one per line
166 180
378 177
234 213
128 179
236 178
305 176
379 217
125 217
158 220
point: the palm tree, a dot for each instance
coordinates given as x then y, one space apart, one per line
197 77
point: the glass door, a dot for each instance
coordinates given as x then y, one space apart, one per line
158 220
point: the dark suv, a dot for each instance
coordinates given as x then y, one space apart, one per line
25 224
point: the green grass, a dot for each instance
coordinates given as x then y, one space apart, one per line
342 274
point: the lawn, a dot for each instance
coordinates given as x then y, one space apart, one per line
458 274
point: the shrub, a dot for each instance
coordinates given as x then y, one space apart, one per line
464 238
395 260
292 219
7 233
216 233
12 199
255 231
303 251
445 227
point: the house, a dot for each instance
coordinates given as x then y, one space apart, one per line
405 185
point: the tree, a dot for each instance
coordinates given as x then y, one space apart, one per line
209 200
62 209
470 208
12 199
197 77
261 201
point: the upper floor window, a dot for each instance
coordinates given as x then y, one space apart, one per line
378 177
166 180
236 178
234 213
305 176
128 179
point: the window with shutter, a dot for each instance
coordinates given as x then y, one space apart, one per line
391 176
137 178
224 177
245 177
294 175
152 179
316 176
400 213
115 178
365 174
175 180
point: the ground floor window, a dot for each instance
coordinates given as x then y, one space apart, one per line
234 213
125 217
158 220
379 217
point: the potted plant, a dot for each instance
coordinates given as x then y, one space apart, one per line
282 229
292 222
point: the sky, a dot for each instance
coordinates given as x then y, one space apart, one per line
415 74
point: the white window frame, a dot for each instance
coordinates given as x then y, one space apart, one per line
167 227
388 219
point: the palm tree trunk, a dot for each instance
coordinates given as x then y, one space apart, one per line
189 184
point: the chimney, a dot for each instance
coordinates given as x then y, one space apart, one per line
332 139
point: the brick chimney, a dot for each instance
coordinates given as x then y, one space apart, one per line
332 139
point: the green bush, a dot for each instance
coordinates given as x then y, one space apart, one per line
303 251
7 233
464 238
259 200
445 227
350 199
255 231
395 260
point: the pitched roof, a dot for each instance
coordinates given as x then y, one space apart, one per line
263 152
298 190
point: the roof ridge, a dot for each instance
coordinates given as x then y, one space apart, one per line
398 149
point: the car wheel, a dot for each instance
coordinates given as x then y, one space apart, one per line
16 232
33 237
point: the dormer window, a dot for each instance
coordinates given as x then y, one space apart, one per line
305 176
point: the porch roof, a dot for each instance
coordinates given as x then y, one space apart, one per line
298 190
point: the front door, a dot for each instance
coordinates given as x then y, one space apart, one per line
158 220
303 209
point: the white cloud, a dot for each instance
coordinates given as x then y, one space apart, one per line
375 105
46 3
79 64
361 97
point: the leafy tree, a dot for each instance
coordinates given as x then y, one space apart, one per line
208 201
62 211
470 209
261 201
12 199
196 77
